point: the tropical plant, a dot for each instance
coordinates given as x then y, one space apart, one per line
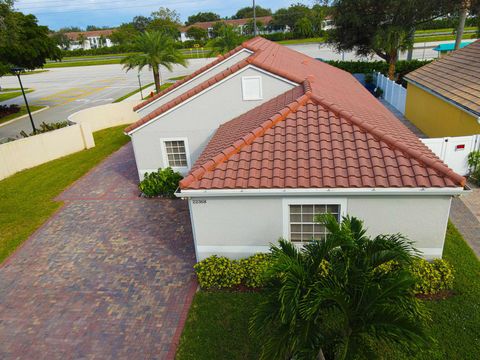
474 164
155 49
164 182
228 38
345 310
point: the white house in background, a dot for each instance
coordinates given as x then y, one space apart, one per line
91 39
238 23
267 137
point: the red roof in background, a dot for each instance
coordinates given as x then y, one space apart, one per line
335 134
237 22
94 33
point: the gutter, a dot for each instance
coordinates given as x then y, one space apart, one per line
324 192
436 94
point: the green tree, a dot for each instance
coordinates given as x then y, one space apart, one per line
124 34
140 23
228 38
23 43
165 20
155 49
291 15
248 27
197 33
335 297
81 38
359 24
202 17
247 12
61 39
304 28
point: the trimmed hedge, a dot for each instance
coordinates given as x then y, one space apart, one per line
364 67
221 272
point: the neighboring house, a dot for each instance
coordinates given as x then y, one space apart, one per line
328 23
90 39
267 137
443 97
238 23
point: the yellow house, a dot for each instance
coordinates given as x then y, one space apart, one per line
443 97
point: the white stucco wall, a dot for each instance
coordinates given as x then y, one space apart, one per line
194 82
197 119
240 226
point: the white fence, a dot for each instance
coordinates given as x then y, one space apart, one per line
394 94
454 150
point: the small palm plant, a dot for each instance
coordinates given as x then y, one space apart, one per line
155 49
339 297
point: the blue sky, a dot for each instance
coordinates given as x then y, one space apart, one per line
59 13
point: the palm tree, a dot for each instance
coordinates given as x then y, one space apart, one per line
228 38
155 49
336 296
392 41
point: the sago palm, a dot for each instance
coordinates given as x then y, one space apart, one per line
155 49
332 297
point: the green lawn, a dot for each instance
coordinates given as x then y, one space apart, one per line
451 30
9 89
443 38
23 111
29 72
301 41
27 197
4 96
82 63
216 327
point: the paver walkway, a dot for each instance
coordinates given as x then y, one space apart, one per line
109 276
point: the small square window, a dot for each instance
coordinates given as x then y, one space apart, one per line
176 154
303 227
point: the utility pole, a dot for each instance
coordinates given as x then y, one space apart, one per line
18 71
254 19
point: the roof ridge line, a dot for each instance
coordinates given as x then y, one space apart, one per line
197 72
435 164
246 140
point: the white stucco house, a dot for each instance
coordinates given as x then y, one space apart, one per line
267 137
90 39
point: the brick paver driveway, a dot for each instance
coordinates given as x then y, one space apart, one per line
108 277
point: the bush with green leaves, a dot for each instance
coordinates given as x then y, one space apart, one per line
219 272
164 182
44 127
474 164
255 268
432 277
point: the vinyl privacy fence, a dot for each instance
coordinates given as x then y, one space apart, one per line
393 93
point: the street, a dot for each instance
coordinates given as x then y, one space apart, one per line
70 89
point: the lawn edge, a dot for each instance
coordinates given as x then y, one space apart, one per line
46 107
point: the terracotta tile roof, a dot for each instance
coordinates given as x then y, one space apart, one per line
94 33
307 145
455 77
236 22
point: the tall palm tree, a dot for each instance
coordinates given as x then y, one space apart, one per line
332 298
393 40
155 49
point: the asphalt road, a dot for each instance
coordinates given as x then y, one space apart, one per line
68 90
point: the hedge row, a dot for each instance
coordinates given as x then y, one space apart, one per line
217 272
364 67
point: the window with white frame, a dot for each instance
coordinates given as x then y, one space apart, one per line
302 225
176 155
252 88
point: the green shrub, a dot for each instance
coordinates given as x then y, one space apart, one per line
217 272
432 277
44 127
364 67
164 182
474 164
254 268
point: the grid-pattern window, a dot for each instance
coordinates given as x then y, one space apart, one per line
176 153
303 227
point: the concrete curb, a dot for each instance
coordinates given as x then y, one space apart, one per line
24 116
